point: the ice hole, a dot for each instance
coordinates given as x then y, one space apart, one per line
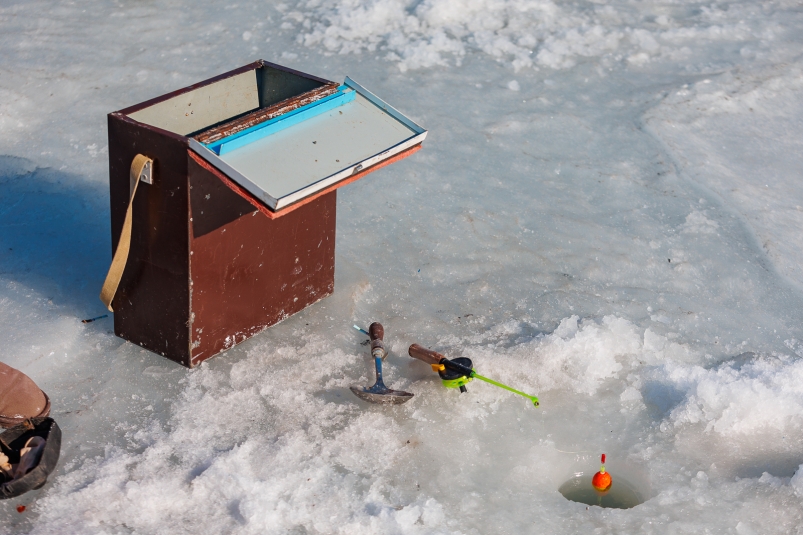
629 488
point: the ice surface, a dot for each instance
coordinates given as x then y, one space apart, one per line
754 161
605 214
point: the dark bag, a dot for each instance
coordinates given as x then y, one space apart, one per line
13 440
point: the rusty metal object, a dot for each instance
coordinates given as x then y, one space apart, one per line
265 114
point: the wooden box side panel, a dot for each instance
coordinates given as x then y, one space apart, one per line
151 307
249 271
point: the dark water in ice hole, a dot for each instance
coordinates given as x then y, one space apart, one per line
621 495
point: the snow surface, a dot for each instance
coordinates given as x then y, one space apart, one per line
606 213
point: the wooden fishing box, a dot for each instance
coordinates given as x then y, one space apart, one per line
223 202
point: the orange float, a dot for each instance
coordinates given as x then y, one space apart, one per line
602 480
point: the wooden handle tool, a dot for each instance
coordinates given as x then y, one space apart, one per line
379 393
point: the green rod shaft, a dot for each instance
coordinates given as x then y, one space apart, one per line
534 399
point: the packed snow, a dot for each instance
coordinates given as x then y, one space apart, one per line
606 213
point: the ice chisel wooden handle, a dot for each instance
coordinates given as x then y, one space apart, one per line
376 332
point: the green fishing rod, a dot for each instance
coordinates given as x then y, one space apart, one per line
455 373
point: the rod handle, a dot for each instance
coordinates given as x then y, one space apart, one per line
427 355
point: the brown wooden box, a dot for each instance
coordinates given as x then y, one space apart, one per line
210 263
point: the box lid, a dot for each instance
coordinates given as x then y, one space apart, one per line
323 144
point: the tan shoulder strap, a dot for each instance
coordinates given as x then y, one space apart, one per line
141 168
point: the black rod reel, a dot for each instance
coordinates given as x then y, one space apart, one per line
455 376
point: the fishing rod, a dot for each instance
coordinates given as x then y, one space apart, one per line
456 373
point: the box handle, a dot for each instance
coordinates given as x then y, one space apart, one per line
141 171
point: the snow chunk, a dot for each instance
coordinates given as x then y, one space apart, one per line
765 394
698 223
797 481
523 33
580 358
